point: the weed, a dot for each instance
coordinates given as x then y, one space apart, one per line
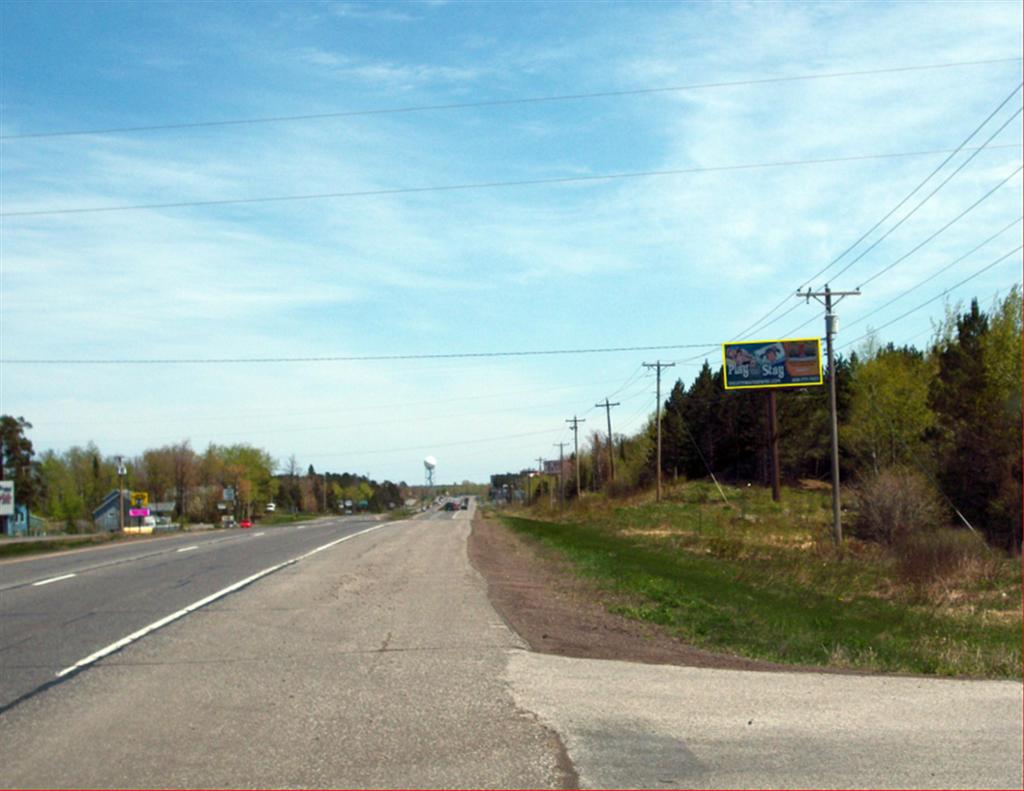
775 588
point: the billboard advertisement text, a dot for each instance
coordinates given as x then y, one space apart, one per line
794 362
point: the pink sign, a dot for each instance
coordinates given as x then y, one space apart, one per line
138 512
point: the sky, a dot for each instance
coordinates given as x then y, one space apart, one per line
438 180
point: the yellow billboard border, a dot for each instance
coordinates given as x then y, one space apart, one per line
725 366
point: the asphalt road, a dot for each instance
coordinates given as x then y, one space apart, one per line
376 661
56 610
628 725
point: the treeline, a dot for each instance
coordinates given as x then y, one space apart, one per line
67 486
950 414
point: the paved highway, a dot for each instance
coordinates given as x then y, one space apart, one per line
58 610
376 660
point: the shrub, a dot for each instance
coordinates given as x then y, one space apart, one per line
897 503
620 489
943 554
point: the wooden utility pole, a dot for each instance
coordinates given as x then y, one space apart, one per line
561 476
611 442
120 492
540 472
657 405
773 445
576 449
831 325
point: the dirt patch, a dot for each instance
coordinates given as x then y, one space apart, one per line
556 612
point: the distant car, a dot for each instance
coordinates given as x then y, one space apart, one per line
450 506
245 523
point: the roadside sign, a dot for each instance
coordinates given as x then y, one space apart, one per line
793 362
6 498
229 494
140 500
138 512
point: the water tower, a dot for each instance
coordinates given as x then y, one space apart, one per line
429 465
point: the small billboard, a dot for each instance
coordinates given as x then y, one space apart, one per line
793 362
6 498
138 512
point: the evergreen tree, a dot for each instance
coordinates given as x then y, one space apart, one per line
16 458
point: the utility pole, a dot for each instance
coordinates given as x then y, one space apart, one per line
576 448
611 442
540 473
657 405
561 471
831 326
120 492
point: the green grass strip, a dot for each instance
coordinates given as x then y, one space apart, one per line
725 604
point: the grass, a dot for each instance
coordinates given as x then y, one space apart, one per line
285 519
761 579
56 544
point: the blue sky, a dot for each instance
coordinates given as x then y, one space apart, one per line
679 259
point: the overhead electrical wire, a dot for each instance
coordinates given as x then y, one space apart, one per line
335 359
945 227
913 211
921 244
262 415
478 185
935 274
435 445
937 297
501 102
759 322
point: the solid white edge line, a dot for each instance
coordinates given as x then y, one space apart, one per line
124 641
189 549
53 579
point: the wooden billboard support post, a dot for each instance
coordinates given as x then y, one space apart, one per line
773 444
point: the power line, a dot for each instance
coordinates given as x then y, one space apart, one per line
285 429
928 239
354 358
934 275
913 211
262 415
433 445
956 219
484 184
502 102
939 296
892 211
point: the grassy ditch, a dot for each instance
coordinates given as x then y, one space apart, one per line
761 580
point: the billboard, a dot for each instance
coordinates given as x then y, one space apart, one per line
793 362
6 498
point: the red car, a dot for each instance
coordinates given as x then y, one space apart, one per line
245 523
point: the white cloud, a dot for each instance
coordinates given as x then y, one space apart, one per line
655 260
